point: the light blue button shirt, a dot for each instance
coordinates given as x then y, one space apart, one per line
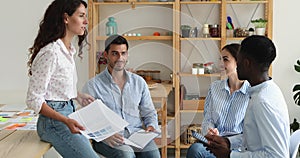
266 124
133 104
223 110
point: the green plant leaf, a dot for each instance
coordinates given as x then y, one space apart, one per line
261 20
296 88
259 23
297 66
297 98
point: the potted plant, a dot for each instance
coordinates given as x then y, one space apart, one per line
296 88
260 25
185 30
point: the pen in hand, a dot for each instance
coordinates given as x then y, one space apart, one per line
213 131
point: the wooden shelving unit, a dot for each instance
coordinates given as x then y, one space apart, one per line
223 6
177 42
96 37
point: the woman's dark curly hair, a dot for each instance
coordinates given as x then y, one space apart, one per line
52 27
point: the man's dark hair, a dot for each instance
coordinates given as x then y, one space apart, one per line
261 49
115 39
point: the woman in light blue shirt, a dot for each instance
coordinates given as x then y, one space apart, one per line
225 104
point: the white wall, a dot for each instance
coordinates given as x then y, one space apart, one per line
18 29
286 39
20 24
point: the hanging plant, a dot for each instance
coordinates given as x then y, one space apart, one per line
296 88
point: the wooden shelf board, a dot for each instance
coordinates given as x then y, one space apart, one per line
171 146
184 146
200 2
201 38
246 2
236 38
191 111
133 3
170 117
199 75
135 38
195 104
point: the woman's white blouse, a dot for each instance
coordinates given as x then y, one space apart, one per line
54 76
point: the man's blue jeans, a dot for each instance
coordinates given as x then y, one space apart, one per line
126 151
197 150
58 134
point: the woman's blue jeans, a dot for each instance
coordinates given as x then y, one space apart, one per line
58 134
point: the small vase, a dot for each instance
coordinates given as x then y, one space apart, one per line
111 27
260 31
185 33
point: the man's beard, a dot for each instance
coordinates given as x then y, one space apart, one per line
117 68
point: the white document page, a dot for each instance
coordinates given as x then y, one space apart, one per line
99 121
140 138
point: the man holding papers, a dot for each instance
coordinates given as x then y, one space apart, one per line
127 94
